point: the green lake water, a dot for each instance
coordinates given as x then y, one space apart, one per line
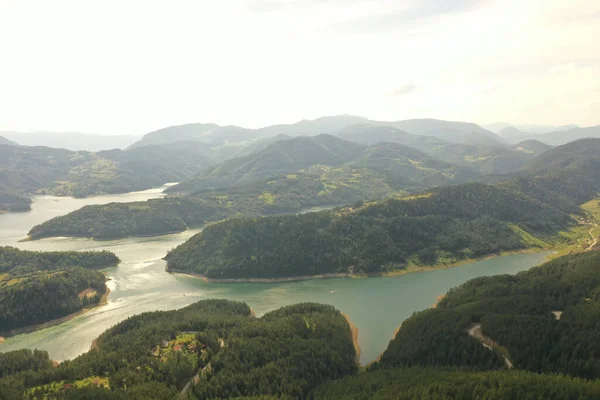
377 306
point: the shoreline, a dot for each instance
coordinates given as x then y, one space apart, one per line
30 239
263 280
355 342
439 298
57 321
333 275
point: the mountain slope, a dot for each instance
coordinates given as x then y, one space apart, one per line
580 155
560 137
187 132
378 171
484 159
397 161
5 142
277 159
447 224
63 172
74 141
457 132
532 146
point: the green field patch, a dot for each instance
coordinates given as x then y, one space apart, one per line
267 198
14 281
292 176
43 391
184 343
527 238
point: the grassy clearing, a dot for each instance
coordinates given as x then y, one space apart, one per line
577 239
268 198
46 391
528 238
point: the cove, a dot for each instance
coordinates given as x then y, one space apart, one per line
377 305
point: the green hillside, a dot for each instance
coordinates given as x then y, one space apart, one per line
26 170
285 354
382 170
484 158
277 159
445 225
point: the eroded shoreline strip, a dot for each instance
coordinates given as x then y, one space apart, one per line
355 342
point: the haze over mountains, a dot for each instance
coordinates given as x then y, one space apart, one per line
230 140
214 135
74 141
554 136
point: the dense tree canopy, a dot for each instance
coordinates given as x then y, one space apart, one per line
285 354
36 287
444 225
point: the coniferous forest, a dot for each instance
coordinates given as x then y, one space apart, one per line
526 336
36 287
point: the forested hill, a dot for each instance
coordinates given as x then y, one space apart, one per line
538 323
532 146
26 170
542 320
36 287
485 159
319 186
446 225
580 155
305 351
279 158
378 171
285 354
399 163
11 200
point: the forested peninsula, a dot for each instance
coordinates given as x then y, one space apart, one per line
38 287
443 226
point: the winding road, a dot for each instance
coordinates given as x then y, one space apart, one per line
594 238
475 331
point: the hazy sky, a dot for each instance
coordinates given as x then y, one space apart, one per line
134 66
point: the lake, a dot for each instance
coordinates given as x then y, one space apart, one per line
139 283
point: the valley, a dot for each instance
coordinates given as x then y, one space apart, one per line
140 283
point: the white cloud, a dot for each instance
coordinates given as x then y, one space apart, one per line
404 90
134 66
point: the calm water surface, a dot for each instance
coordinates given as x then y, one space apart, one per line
376 305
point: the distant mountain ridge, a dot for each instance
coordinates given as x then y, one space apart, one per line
484 159
74 141
25 170
290 156
214 135
279 158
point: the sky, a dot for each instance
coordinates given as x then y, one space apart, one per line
132 66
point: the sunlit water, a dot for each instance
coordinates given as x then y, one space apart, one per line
376 305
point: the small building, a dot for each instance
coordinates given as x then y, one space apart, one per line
164 344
